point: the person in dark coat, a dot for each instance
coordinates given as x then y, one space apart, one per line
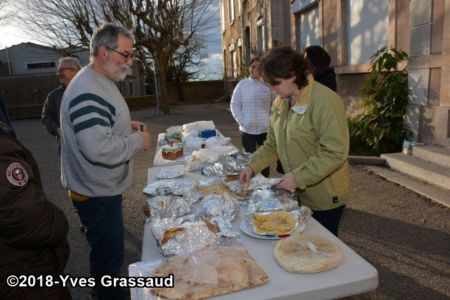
68 67
320 61
33 231
4 117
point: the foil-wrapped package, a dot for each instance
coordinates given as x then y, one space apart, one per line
225 227
271 199
162 187
170 172
183 235
240 190
220 205
181 187
226 165
235 163
261 182
168 206
213 169
192 193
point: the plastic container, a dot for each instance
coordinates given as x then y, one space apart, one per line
207 133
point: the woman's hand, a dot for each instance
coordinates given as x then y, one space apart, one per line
287 182
246 175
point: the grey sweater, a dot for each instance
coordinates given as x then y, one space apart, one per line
97 145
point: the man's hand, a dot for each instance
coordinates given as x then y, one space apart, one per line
58 131
246 175
145 135
138 126
287 182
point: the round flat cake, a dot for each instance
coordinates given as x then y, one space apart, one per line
303 253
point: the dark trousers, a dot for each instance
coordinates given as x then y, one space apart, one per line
329 218
251 142
102 217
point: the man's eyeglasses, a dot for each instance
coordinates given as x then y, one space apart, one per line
125 55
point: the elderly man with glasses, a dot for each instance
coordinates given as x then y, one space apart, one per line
68 67
98 144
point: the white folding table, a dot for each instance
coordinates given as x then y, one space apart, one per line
353 277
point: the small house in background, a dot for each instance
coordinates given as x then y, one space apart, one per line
28 73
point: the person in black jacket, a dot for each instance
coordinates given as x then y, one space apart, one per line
320 61
4 117
33 231
68 67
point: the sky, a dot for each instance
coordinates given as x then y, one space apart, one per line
11 33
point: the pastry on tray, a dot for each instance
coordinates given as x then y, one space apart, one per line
210 272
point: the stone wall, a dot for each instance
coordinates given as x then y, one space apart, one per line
23 104
197 91
26 90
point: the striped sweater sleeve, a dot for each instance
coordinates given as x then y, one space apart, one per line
92 119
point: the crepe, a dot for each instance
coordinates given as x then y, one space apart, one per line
210 272
275 222
302 253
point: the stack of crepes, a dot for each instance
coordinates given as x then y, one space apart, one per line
274 222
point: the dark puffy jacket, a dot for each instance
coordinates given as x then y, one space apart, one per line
33 231
327 77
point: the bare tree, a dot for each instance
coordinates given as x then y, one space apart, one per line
161 27
3 15
185 65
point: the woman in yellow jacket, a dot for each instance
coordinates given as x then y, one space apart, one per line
308 133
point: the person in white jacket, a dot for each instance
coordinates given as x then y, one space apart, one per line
250 106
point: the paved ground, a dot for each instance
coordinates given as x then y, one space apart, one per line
406 237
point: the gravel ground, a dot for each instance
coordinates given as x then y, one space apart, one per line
406 237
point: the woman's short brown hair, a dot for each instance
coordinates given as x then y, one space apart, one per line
256 58
285 62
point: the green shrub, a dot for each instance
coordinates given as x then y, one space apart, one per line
380 128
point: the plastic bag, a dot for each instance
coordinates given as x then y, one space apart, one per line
207 272
198 125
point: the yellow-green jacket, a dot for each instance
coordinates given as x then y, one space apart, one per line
311 140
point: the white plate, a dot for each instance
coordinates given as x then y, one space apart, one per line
245 229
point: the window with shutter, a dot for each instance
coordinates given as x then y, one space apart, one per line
307 28
367 29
